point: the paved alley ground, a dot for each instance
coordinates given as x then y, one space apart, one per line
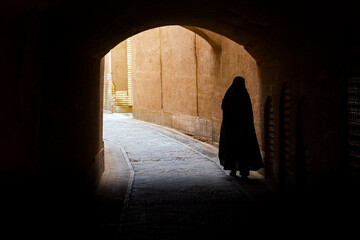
173 184
161 184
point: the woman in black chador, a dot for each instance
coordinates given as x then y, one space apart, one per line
238 145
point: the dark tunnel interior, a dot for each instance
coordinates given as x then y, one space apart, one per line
307 57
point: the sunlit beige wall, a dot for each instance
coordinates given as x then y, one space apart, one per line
179 80
146 70
119 74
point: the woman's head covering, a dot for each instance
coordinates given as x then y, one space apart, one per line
239 81
235 93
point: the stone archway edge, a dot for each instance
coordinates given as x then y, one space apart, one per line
209 36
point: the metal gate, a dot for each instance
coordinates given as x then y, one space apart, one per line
269 139
353 124
284 139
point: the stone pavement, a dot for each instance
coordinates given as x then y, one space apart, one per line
162 184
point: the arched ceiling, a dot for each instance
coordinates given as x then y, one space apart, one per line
96 27
262 27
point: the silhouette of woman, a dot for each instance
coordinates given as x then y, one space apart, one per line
238 145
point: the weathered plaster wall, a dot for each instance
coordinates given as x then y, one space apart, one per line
193 79
178 71
146 72
119 69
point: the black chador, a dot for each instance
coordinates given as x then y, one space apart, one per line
238 145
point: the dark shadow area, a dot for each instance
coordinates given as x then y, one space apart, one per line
322 213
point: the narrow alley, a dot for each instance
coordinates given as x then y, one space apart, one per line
162 184
175 185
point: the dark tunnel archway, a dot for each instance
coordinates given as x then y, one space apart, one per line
99 30
54 132
204 66
82 39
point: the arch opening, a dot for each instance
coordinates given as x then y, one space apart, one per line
179 78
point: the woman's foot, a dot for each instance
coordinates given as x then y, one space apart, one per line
233 173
